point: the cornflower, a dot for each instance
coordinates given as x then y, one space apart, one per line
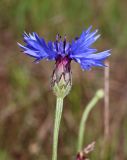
63 52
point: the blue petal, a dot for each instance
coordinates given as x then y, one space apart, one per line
37 47
99 56
83 43
82 53
88 64
96 60
29 51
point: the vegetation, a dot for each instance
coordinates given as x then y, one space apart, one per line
26 100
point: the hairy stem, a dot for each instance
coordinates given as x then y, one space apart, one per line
58 114
98 95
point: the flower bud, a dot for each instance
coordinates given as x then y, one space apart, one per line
62 79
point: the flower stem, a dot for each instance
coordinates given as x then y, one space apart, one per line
98 95
58 114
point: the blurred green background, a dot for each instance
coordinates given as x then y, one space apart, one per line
27 103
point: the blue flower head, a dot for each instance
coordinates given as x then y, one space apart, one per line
64 52
78 50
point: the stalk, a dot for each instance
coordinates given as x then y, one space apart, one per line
98 95
58 114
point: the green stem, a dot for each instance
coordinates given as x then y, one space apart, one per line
98 95
58 114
